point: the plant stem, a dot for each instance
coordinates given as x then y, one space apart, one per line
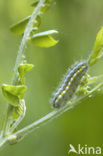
20 56
19 135
21 52
55 113
52 115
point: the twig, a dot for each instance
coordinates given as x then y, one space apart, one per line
21 52
54 114
19 135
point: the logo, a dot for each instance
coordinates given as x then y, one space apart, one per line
84 150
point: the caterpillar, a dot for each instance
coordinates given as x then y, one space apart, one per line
69 84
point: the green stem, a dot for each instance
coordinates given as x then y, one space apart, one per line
21 52
50 116
20 56
23 132
55 113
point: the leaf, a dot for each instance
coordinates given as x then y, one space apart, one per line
15 117
98 48
23 69
34 4
46 6
21 110
43 39
15 90
13 93
20 26
37 22
11 99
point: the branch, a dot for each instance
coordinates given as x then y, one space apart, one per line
56 113
21 52
20 134
20 56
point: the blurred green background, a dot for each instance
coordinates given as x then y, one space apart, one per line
78 22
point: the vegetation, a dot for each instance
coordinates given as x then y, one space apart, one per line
14 92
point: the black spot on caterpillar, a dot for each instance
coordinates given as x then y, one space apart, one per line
70 84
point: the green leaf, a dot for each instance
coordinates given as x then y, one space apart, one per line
15 90
98 48
34 4
37 22
21 110
46 6
11 99
17 115
23 69
43 39
20 26
13 93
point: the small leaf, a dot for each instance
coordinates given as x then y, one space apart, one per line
34 4
20 26
43 39
15 90
37 22
21 110
15 117
45 7
98 48
11 99
13 93
23 69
